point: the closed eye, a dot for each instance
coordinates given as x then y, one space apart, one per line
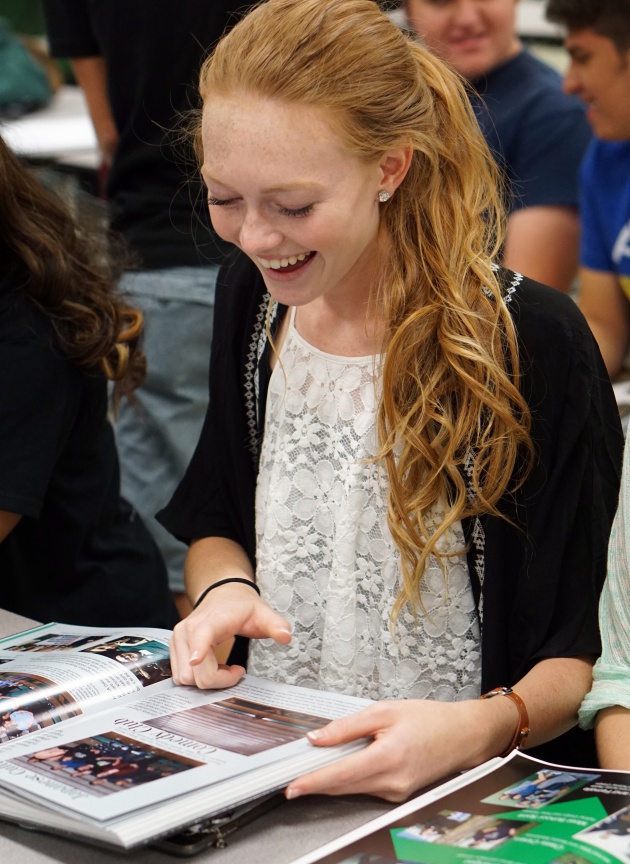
221 202
301 211
580 57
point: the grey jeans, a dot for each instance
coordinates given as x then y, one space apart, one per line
156 436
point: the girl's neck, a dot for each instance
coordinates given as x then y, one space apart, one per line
345 332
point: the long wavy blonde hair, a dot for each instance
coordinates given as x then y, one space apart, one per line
450 406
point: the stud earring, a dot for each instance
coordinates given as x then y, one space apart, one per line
383 196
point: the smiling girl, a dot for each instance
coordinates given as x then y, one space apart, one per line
397 492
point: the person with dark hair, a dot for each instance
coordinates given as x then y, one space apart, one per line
410 463
606 18
71 549
598 43
536 132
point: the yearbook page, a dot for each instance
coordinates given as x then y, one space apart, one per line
156 759
517 810
57 672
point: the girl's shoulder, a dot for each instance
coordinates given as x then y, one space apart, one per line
21 320
540 312
559 360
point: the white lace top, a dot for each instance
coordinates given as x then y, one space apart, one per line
326 558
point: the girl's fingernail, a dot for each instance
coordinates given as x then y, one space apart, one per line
314 735
194 657
292 792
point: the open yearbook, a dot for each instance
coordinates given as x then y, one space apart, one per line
516 810
98 742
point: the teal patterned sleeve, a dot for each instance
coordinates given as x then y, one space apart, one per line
611 674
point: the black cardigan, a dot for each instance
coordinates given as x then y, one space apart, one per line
543 566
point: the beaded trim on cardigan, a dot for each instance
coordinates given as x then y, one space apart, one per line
478 535
251 388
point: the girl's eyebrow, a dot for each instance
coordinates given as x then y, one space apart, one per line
292 187
285 187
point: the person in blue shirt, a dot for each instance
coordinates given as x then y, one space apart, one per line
598 43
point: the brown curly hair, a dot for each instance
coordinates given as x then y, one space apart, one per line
70 275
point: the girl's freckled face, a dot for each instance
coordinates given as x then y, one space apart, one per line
282 187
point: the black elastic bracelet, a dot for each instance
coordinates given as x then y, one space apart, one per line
225 582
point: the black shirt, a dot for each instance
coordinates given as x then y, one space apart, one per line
79 554
153 52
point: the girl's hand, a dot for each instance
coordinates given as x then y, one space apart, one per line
226 611
415 743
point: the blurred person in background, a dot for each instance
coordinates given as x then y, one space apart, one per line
139 68
537 133
598 43
71 549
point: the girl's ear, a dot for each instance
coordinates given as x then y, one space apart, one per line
393 167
